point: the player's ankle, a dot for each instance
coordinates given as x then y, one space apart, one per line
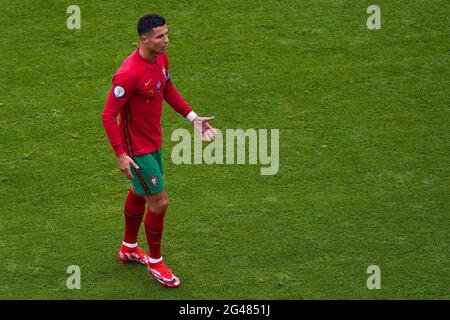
129 246
153 260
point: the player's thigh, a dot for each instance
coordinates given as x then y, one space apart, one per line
148 179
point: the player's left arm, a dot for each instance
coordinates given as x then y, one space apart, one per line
176 101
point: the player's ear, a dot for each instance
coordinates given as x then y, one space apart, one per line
145 37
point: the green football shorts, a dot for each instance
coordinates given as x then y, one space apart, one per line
148 179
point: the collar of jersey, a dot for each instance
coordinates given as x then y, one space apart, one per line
146 62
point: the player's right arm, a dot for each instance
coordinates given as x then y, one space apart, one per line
121 91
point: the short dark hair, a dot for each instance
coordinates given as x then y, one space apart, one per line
148 22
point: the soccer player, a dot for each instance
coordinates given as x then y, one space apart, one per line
139 87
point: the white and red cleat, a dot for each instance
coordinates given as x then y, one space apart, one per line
134 255
163 274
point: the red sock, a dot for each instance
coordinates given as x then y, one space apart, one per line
154 223
134 211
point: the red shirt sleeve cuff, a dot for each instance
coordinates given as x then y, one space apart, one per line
119 150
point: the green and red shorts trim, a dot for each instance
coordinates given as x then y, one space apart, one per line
148 179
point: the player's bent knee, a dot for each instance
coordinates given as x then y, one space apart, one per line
159 202
159 205
162 205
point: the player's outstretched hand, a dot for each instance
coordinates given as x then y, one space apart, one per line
125 163
204 128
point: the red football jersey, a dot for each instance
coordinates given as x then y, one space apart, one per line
137 93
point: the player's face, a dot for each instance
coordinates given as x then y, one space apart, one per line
157 41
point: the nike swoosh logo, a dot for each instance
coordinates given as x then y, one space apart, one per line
147 83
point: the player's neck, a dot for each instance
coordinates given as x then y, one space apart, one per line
147 55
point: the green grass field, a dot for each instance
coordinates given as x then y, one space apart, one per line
364 150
